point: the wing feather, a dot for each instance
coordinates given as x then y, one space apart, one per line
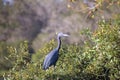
51 59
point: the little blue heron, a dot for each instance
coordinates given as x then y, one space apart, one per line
52 57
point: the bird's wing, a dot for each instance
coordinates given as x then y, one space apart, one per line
46 61
50 59
54 58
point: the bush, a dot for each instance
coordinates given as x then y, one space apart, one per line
97 59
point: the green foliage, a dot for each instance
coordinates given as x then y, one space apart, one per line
3 61
12 56
108 48
3 53
98 59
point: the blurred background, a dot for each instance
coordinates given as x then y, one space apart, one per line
39 21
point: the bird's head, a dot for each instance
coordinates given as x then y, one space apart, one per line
62 34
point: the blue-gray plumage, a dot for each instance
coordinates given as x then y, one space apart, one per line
53 56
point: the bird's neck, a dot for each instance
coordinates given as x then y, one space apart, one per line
59 43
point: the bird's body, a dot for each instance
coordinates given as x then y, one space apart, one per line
51 59
53 56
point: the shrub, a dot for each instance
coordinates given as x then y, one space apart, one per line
97 59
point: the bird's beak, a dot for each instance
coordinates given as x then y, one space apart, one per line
65 35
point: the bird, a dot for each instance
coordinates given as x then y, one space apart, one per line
52 57
8 2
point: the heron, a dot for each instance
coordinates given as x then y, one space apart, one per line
52 57
8 2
